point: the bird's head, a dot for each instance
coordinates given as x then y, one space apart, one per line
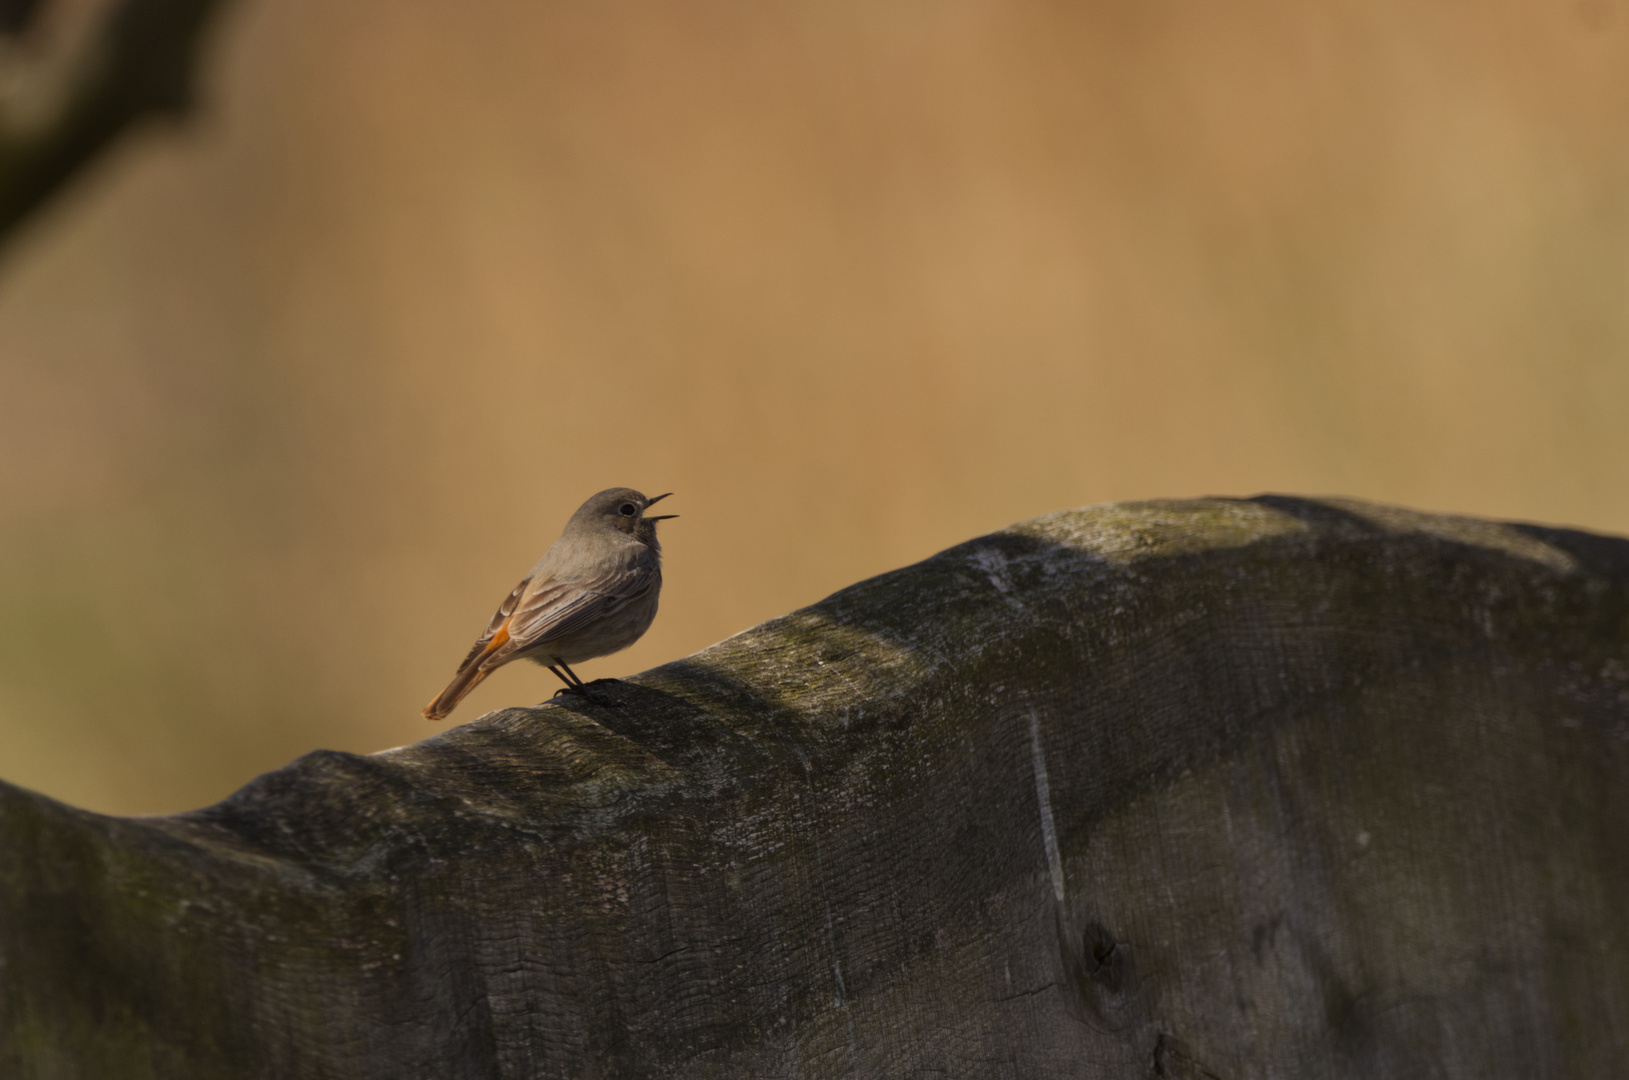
622 509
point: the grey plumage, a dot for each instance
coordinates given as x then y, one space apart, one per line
594 592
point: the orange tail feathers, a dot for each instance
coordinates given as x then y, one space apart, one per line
448 699
469 675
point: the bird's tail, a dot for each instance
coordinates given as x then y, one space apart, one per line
474 668
468 677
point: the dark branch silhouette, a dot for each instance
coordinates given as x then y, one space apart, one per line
66 101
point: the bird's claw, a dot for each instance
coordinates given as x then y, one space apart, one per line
584 691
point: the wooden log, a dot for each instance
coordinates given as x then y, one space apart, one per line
1220 788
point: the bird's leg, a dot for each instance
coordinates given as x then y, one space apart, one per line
568 677
575 685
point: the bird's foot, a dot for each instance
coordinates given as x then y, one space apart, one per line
587 691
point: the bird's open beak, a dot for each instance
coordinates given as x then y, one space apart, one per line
652 502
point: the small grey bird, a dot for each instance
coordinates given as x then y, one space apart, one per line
591 594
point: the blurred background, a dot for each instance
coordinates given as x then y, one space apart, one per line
293 392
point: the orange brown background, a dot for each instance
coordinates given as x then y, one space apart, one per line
291 395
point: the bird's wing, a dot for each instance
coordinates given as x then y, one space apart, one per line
555 609
534 613
505 609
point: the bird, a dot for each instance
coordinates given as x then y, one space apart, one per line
592 593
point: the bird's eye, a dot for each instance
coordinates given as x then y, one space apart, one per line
627 509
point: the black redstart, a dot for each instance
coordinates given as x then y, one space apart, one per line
594 592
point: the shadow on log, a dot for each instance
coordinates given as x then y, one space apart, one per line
1261 788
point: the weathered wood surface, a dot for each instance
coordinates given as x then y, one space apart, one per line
1264 788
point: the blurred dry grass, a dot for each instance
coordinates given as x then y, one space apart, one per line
290 398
